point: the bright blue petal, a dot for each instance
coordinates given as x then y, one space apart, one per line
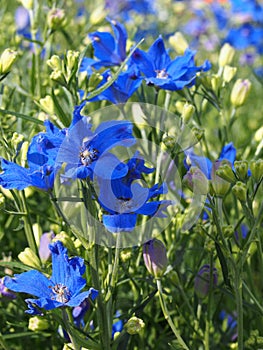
158 54
79 298
121 38
119 223
14 176
228 152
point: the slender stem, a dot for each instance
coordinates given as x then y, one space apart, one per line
28 227
168 317
239 301
66 318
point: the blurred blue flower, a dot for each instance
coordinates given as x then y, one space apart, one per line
41 158
4 292
247 10
43 250
122 88
85 152
124 199
159 70
125 8
63 288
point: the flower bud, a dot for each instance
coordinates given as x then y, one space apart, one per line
7 59
220 186
37 324
55 63
134 325
155 258
56 18
241 167
198 133
6 292
196 181
229 73
225 171
187 113
97 15
64 238
47 104
178 43
125 255
240 191
216 83
2 201
16 140
240 92
256 167
28 257
58 76
43 250
28 4
202 282
23 151
226 55
72 59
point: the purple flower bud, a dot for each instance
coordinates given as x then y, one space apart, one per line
202 281
155 258
44 251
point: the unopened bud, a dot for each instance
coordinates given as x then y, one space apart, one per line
64 238
56 18
58 76
196 181
16 140
37 231
2 201
37 324
28 257
72 60
7 59
241 167
43 250
187 113
240 92
220 186
216 83
47 104
226 55
256 167
229 73
23 152
55 63
28 4
225 171
198 133
97 15
134 325
203 283
240 191
178 42
155 257
125 255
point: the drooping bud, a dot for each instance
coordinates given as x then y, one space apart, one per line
187 113
7 59
220 186
240 191
226 55
240 92
37 324
256 167
28 257
134 325
229 73
178 42
241 167
155 257
203 284
196 181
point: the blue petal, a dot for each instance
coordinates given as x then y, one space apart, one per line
108 166
104 47
158 54
121 222
31 282
78 299
121 38
14 176
228 152
144 63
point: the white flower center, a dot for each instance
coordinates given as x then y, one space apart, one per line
61 292
87 156
161 74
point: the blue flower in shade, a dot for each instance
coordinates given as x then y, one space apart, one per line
247 10
123 199
108 49
122 88
85 152
41 157
126 7
205 165
63 288
159 70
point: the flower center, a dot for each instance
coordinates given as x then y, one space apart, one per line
124 205
88 155
61 292
161 74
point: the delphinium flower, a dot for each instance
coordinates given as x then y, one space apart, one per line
86 152
41 157
62 289
109 50
124 9
122 88
123 199
164 73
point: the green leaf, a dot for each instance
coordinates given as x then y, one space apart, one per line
223 264
61 114
15 264
22 116
114 76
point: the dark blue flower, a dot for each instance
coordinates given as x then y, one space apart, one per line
85 152
124 8
122 88
41 157
63 288
159 70
108 49
124 199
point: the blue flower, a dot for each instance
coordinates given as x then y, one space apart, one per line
108 49
85 152
159 70
124 199
125 7
122 88
41 157
63 288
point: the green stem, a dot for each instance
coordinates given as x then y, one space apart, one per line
66 318
239 302
168 317
27 222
